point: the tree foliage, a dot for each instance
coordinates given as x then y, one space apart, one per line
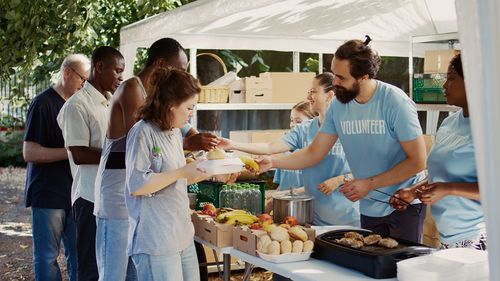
36 35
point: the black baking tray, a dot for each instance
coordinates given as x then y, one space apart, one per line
374 261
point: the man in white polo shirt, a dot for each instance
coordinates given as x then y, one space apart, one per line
83 121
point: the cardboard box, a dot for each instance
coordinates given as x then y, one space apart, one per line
245 239
254 136
258 90
437 61
289 87
237 91
220 235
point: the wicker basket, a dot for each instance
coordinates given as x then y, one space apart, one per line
214 94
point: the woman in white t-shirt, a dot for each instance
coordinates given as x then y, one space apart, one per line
161 234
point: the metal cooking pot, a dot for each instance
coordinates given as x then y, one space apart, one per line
290 204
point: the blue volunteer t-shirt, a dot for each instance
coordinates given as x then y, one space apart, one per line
452 159
288 178
370 134
48 185
185 129
333 209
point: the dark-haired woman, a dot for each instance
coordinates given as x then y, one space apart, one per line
161 232
453 188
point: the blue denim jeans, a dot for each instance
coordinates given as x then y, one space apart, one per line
113 262
49 227
182 266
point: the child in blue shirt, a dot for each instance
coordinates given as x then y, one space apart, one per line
287 179
453 188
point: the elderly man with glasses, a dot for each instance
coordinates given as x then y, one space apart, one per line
48 180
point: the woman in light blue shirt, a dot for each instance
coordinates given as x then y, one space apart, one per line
321 180
453 188
160 239
287 179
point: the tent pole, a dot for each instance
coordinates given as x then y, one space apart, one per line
296 62
320 63
193 66
193 70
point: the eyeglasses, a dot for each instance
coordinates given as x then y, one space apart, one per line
83 78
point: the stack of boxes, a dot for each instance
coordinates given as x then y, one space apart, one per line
428 86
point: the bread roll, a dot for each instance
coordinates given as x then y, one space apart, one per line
297 246
308 246
274 248
298 233
279 234
286 246
215 154
263 243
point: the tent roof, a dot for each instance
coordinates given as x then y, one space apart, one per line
316 26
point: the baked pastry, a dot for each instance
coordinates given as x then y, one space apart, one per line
353 235
372 239
388 243
353 243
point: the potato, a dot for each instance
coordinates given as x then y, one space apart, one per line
279 234
297 246
308 246
286 246
274 248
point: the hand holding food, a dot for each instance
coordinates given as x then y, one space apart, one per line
250 163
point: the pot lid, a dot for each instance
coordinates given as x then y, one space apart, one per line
293 197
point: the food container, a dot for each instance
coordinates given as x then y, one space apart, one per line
283 258
291 204
222 166
475 262
374 261
430 268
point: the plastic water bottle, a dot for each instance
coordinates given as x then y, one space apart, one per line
230 196
223 196
237 197
256 199
246 198
157 161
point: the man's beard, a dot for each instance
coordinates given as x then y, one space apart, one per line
344 95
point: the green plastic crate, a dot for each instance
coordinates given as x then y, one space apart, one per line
428 81
429 96
208 192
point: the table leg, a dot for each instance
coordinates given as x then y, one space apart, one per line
248 271
226 262
216 257
432 122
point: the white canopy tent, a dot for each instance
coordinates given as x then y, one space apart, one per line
321 26
293 25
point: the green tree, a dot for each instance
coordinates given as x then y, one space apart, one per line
38 34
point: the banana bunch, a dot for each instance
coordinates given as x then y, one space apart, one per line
250 162
236 217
